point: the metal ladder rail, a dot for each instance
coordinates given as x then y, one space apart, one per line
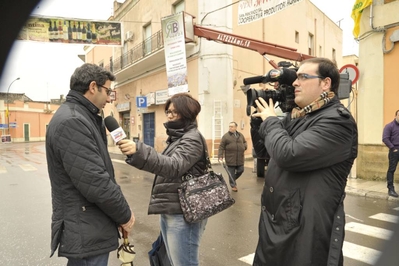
217 128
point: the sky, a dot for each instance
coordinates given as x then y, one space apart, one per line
45 69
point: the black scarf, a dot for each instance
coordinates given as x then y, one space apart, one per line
176 129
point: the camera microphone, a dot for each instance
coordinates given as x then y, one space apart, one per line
114 129
285 76
254 80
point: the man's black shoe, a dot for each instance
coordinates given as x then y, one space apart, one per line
392 193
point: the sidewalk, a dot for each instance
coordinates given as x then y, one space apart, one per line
354 186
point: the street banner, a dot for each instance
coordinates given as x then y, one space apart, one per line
71 31
175 53
253 10
357 12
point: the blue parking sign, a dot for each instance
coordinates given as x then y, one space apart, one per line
141 101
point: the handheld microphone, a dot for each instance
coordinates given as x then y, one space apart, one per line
283 75
114 129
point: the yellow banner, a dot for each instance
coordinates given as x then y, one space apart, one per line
357 11
65 30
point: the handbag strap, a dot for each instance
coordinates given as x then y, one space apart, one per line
208 164
207 160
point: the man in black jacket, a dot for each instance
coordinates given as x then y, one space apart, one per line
390 137
88 204
312 151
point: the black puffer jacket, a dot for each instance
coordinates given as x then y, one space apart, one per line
87 203
184 154
311 158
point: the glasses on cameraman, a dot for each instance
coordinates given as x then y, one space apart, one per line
304 76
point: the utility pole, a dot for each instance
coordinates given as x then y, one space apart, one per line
8 111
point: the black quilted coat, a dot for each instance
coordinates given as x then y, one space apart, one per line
311 158
87 203
184 154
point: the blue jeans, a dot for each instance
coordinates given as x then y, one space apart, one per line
99 260
235 173
181 239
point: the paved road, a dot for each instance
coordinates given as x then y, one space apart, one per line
230 237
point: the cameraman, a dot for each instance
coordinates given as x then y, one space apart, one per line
312 151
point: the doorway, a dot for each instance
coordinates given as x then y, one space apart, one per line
26 132
149 128
126 124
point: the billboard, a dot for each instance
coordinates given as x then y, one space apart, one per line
253 10
71 31
175 53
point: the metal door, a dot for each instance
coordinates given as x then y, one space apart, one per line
149 128
26 132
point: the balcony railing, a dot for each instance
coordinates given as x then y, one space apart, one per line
140 51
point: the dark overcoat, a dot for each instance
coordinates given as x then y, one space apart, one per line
88 204
311 158
232 147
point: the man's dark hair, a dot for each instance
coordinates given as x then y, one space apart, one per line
396 113
185 105
85 74
234 123
327 69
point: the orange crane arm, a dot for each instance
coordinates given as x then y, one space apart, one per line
263 48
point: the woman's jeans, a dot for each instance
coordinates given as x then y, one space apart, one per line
99 260
182 239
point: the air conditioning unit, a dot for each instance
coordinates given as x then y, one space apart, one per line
129 36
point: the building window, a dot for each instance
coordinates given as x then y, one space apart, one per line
310 44
147 38
178 6
124 54
333 55
296 37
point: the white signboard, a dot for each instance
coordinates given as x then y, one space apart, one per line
253 10
123 107
161 97
150 98
175 53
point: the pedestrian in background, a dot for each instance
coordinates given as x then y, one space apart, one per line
88 204
390 137
311 150
231 149
183 156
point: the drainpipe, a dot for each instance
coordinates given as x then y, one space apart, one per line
371 17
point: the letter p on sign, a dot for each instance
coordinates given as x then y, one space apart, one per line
141 101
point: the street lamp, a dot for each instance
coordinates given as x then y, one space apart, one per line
8 111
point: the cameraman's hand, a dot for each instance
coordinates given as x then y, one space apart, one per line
264 110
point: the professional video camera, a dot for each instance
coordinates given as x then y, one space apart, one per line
284 94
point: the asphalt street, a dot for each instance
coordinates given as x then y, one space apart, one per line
230 237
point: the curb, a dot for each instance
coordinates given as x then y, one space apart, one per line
369 194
